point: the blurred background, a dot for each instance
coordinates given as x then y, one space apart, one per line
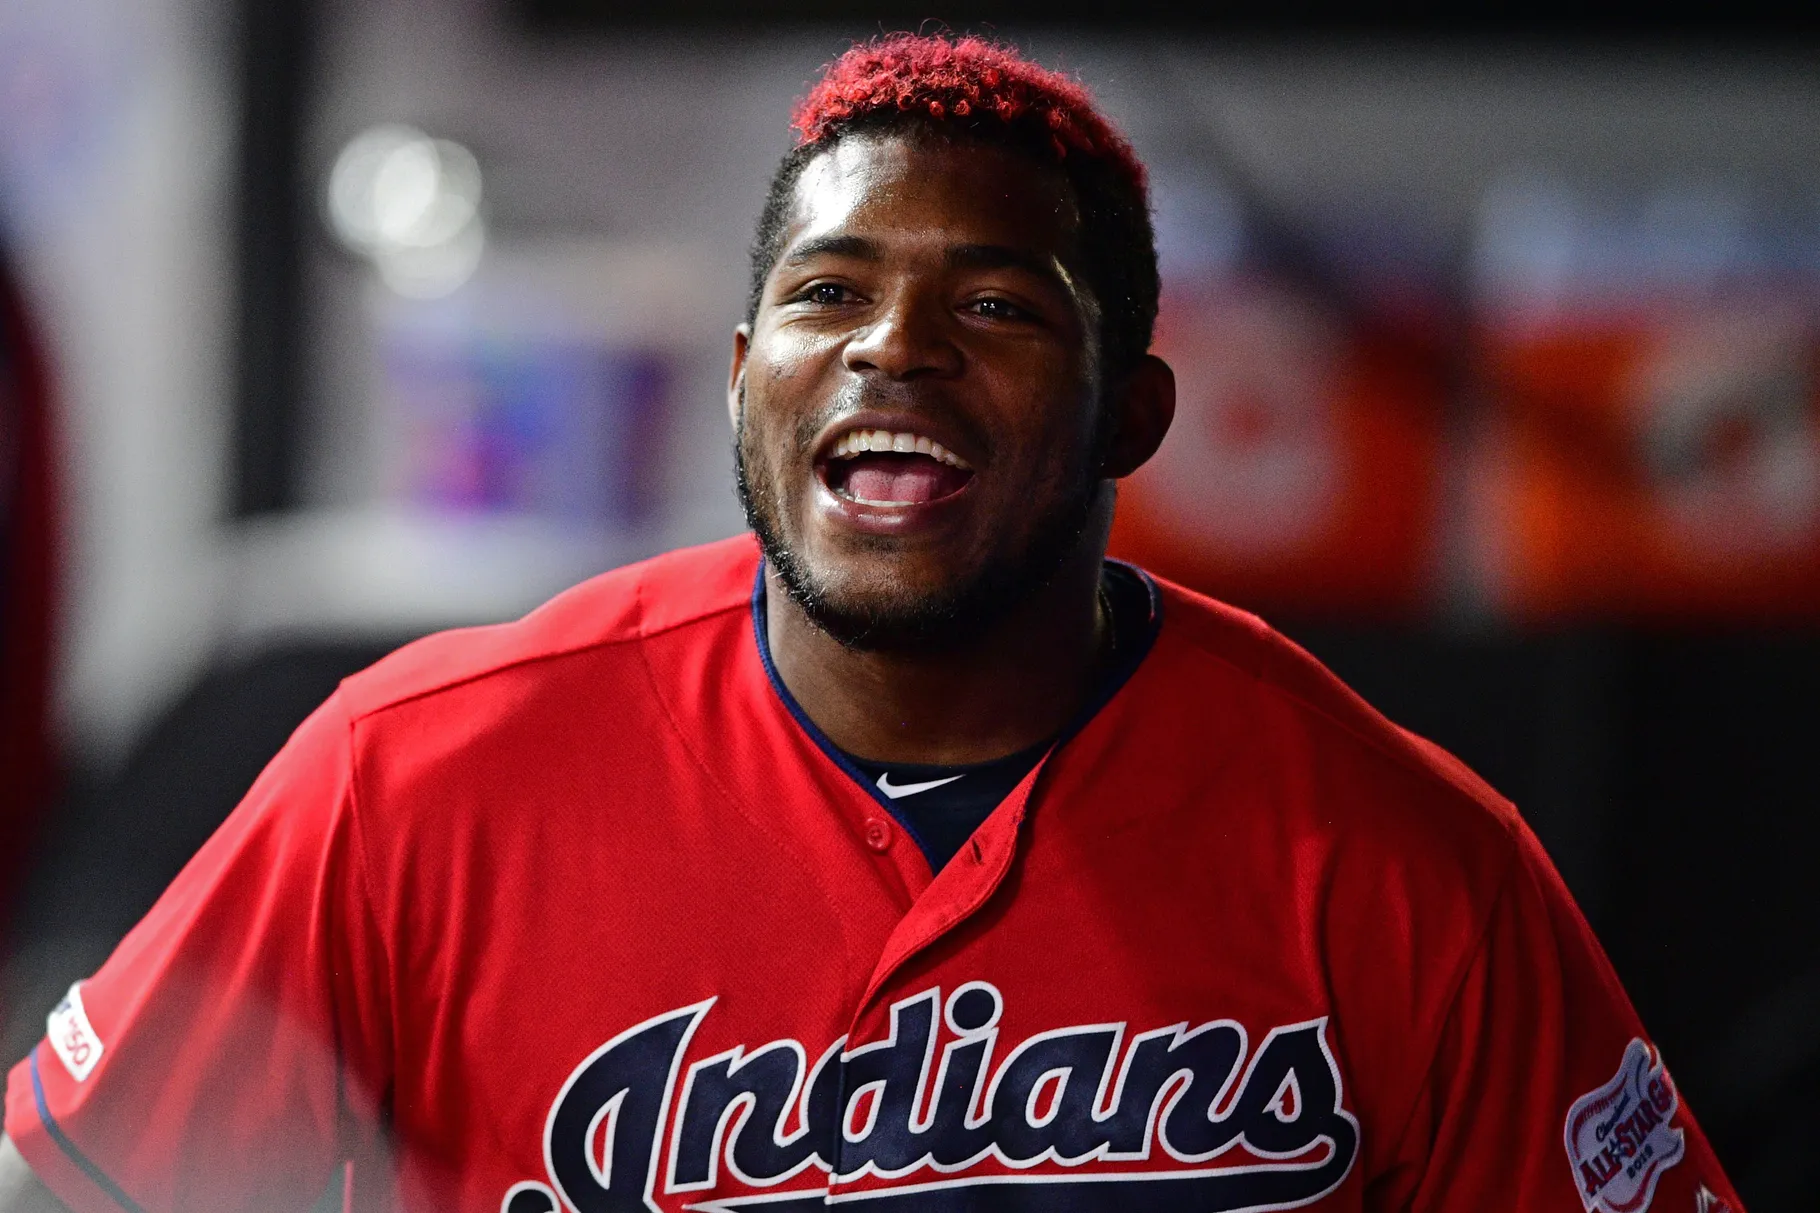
327 323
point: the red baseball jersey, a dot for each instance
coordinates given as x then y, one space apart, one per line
582 913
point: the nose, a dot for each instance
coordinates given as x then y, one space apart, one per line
906 339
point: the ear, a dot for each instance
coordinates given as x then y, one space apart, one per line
1145 405
736 373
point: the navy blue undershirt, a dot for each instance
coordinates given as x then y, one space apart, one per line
945 804
953 814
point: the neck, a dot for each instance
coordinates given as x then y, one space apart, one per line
1017 684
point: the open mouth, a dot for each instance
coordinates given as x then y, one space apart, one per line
886 468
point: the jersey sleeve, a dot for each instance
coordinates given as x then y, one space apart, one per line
226 1055
1544 1091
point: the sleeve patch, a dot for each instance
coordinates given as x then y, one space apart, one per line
1620 1137
72 1037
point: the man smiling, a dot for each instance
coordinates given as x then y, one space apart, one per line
914 856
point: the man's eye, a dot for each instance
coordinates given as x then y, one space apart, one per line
826 293
997 309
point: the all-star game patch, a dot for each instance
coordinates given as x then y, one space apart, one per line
1620 1137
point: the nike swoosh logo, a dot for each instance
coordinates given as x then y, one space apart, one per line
897 791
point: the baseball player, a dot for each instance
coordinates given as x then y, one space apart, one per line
906 854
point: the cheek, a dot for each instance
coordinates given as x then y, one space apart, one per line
785 399
774 444
794 354
1051 444
770 414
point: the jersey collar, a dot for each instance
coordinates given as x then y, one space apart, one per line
1126 665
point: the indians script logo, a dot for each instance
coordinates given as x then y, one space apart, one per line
1618 1137
1075 1119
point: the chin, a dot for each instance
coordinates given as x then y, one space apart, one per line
895 609
870 612
896 628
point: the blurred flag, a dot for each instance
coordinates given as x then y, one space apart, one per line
1303 471
1651 447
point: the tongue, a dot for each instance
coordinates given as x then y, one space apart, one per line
901 478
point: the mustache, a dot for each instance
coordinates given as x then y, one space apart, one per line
926 400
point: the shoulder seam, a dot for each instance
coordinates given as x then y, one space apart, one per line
1512 861
1406 761
777 839
363 863
514 663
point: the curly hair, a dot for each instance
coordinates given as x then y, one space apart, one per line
967 88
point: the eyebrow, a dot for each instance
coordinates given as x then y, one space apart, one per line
1003 256
857 247
1000 257
961 256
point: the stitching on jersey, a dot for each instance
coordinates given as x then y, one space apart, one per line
1457 985
1429 770
778 839
363 873
959 912
1499 809
354 862
637 633
70 1149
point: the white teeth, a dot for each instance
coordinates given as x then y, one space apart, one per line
858 442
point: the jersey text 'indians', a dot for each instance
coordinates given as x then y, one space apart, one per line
1184 1116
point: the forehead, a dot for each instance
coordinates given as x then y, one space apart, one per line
909 191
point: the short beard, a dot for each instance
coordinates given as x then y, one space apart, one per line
940 622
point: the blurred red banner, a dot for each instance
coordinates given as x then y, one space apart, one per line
1303 469
1655 460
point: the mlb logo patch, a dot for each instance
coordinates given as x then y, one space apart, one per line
1619 1136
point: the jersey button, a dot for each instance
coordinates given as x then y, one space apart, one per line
878 835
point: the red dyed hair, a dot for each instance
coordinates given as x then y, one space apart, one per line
961 81
978 90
